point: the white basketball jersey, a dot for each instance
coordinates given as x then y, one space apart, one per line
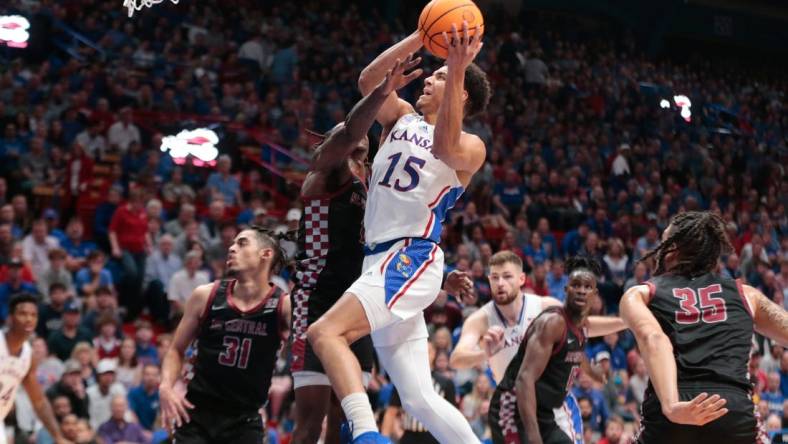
513 334
12 370
411 190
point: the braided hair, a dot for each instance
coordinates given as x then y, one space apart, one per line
273 240
583 263
699 239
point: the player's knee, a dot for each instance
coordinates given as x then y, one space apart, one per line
315 333
417 403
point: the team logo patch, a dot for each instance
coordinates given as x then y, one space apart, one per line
404 264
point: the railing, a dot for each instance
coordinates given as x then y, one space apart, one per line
76 39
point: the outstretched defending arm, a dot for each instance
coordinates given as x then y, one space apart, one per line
393 107
770 319
462 152
467 353
339 144
657 352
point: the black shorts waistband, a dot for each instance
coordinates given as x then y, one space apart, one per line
220 406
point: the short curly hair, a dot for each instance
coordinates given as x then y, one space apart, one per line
478 88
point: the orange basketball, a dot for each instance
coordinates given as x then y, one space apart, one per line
437 18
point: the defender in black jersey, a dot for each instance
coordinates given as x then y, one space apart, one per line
236 328
541 373
694 330
331 254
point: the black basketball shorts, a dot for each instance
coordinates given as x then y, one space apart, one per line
741 425
308 306
507 427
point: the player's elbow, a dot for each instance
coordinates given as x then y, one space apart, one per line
365 83
456 360
657 341
522 383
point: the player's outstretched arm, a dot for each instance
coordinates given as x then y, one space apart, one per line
41 404
548 330
604 325
468 353
770 319
174 405
462 152
393 107
657 352
339 144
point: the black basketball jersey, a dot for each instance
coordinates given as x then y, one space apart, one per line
709 325
330 242
235 351
553 385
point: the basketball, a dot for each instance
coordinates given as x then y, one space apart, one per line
437 18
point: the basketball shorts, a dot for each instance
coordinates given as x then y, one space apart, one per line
211 425
507 426
400 279
308 306
740 425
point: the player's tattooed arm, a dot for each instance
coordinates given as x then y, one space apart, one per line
770 319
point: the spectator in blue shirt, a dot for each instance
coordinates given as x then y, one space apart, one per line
573 240
618 357
14 285
600 224
93 275
11 145
147 353
223 183
584 389
557 280
534 252
772 395
509 194
549 243
76 248
144 399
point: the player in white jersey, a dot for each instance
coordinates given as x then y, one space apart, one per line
494 332
421 168
17 367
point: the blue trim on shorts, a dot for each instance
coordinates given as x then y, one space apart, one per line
405 265
371 250
575 416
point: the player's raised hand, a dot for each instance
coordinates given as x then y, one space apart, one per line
401 74
463 48
459 284
492 341
701 410
173 408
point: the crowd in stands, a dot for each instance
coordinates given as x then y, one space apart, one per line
581 160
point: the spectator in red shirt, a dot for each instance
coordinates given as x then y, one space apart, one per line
128 236
614 432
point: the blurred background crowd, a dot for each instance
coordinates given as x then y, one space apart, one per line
113 234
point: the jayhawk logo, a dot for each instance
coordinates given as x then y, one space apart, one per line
404 265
